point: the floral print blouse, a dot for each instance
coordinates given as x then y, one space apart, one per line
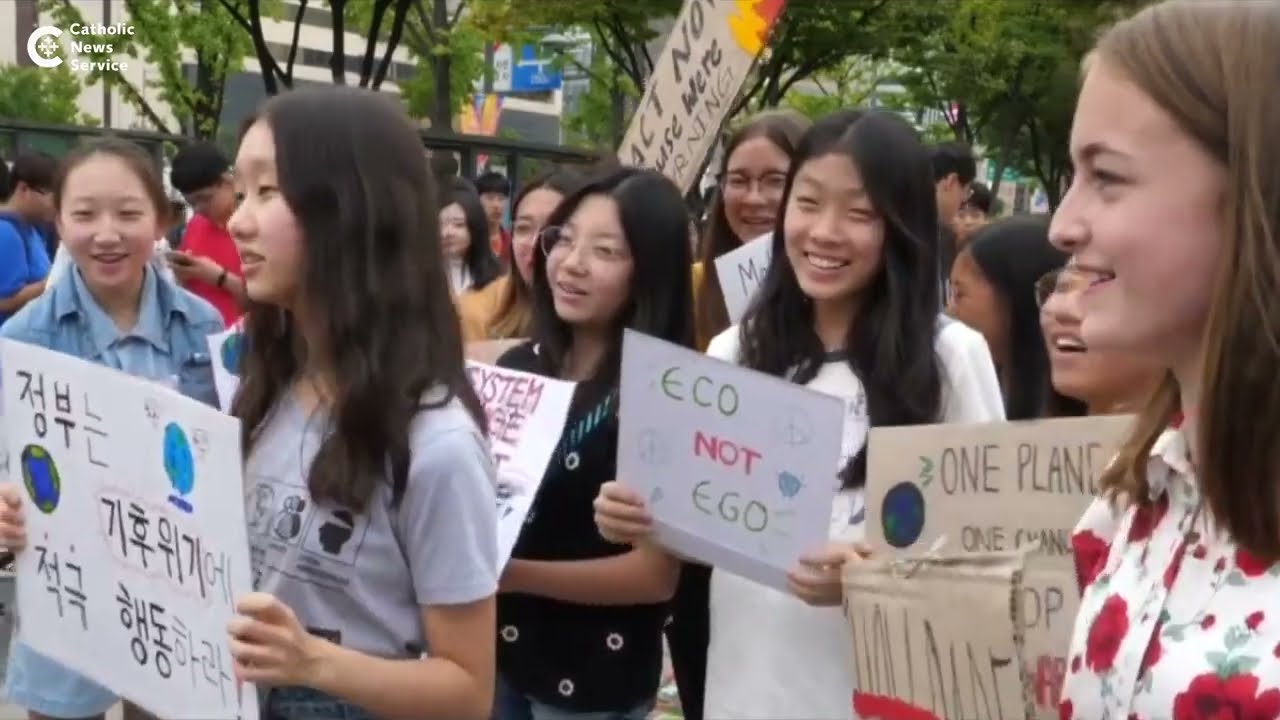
1176 622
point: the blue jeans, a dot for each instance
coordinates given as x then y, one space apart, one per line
509 704
299 703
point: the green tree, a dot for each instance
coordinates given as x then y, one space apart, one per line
622 33
42 95
163 29
812 38
852 82
448 47
374 20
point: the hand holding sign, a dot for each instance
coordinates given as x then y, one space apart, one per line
818 578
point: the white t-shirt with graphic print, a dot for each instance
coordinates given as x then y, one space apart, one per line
773 656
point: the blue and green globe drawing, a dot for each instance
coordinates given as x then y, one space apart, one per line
179 465
232 348
40 475
902 515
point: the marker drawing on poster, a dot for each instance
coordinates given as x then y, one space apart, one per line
526 414
739 468
226 349
998 487
695 81
135 547
741 272
938 637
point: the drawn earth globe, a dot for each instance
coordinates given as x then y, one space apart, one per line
230 353
902 514
179 464
40 476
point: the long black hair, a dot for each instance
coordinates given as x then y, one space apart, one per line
481 264
378 309
655 222
890 344
1013 253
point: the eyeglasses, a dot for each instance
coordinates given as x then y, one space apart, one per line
556 240
1065 280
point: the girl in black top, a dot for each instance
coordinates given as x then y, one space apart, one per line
580 619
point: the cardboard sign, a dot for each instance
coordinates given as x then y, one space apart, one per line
991 488
137 542
741 272
938 638
526 414
739 467
694 84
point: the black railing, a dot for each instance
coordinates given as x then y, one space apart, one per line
20 135
519 158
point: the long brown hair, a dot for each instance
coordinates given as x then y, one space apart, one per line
514 317
378 310
1208 64
783 128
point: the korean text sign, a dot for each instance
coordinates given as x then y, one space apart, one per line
137 544
739 468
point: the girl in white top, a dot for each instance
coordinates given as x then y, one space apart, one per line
848 307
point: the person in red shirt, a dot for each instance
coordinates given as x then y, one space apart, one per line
495 190
207 262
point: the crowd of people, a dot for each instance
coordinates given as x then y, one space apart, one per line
360 273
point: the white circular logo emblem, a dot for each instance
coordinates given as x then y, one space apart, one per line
43 47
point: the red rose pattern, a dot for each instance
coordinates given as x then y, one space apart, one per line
1200 658
1210 696
1090 556
1106 633
1146 518
1250 565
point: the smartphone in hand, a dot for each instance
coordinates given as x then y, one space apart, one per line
178 258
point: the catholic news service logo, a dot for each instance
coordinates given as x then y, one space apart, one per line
43 47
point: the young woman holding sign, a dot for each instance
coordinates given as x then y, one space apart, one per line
1173 214
112 307
848 307
580 619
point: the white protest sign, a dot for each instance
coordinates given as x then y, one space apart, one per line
709 52
137 544
526 414
225 350
739 467
741 272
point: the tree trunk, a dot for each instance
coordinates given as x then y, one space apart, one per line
442 108
617 115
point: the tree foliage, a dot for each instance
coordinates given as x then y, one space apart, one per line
1004 75
379 22
164 29
42 95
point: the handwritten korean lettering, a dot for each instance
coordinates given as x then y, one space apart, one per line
64 580
136 532
33 393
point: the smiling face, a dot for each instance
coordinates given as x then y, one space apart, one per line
108 223
266 231
589 265
975 302
834 237
1143 219
535 207
1107 381
454 236
755 178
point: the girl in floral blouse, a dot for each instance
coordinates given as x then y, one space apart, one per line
1174 212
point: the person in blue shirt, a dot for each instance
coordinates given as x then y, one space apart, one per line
112 308
24 255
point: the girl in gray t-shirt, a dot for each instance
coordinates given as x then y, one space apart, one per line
370 493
